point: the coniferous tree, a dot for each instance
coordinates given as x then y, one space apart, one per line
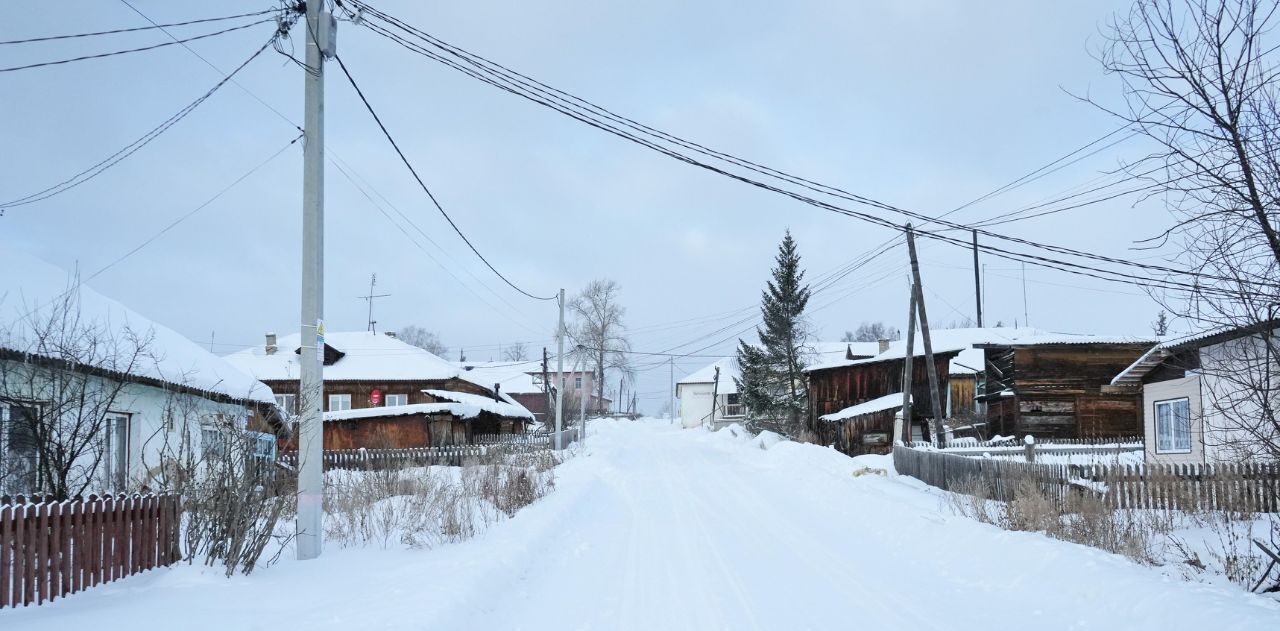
772 384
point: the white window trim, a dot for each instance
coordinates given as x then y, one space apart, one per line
1155 410
387 399
340 397
128 440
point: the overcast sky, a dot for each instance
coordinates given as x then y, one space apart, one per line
924 105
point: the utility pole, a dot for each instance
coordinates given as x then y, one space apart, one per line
560 374
930 367
908 374
671 394
582 401
373 280
715 393
977 280
310 521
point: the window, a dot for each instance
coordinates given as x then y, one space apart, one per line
394 400
115 451
732 405
288 403
18 455
577 383
339 402
1173 426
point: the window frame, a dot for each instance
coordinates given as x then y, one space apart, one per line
117 474
288 403
403 396
1173 438
577 382
340 397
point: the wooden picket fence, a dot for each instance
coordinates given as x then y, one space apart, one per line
49 549
1253 487
532 439
378 459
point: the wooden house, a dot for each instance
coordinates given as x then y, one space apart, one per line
370 375
1058 386
853 400
524 382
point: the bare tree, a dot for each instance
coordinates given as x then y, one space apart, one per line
872 332
1200 81
61 376
424 339
598 333
517 352
1160 327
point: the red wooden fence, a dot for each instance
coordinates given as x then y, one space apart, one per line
50 549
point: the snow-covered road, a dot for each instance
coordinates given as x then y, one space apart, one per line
657 528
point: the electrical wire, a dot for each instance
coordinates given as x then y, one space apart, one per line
520 85
131 148
426 190
135 50
137 28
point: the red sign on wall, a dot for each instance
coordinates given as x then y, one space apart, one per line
375 397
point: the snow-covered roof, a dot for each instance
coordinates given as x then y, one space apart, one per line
944 341
501 408
1133 374
460 410
367 356
514 377
822 352
32 291
728 371
886 402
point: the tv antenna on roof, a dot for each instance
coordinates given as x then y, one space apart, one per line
373 281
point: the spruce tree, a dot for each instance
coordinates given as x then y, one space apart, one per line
772 384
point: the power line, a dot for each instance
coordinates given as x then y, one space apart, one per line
506 79
137 28
133 147
135 50
422 184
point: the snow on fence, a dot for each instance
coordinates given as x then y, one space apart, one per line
455 455
49 549
1245 486
1101 447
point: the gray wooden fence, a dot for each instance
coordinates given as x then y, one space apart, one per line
1246 486
393 458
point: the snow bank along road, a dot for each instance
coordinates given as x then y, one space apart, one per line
657 528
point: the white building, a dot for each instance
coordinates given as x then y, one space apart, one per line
83 372
1203 396
704 401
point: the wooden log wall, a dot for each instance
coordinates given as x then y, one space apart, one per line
51 549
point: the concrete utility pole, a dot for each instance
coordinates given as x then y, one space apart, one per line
671 394
931 368
715 393
977 279
310 522
560 374
908 374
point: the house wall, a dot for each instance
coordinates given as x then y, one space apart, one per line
1189 387
395 432
835 389
150 436
695 403
1058 391
1237 428
361 391
850 435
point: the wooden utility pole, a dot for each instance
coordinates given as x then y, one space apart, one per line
907 371
715 392
930 367
977 279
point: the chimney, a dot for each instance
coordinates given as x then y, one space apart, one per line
391 334
497 392
884 344
271 343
